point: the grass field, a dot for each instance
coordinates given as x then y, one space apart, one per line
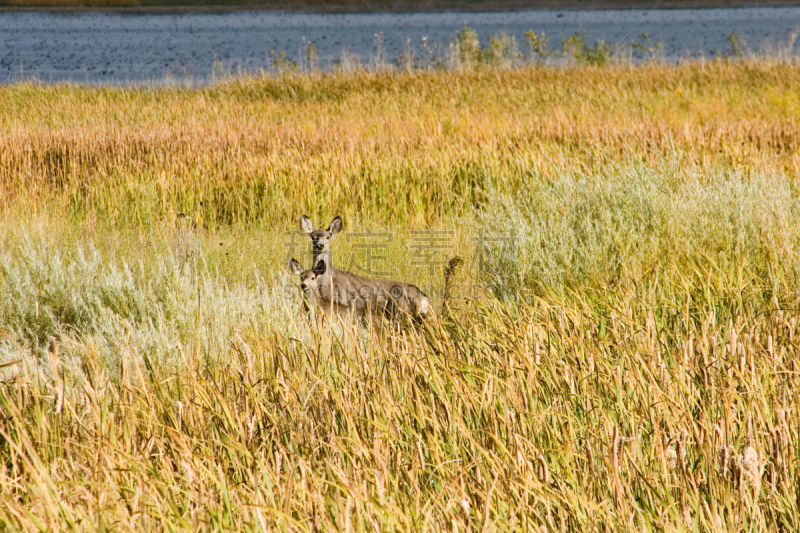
620 351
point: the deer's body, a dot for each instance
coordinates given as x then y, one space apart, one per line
369 295
360 295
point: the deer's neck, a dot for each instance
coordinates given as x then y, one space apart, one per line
325 283
325 256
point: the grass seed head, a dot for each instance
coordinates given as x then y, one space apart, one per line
465 508
688 519
672 458
543 471
751 466
734 465
723 460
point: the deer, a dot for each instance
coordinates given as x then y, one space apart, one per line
360 295
325 307
309 285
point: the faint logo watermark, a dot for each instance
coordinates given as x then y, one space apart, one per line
494 250
489 260
373 248
430 249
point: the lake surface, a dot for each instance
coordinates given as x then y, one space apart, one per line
108 48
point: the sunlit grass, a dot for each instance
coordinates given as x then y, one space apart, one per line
619 352
388 147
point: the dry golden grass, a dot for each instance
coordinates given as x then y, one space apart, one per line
547 416
631 367
388 146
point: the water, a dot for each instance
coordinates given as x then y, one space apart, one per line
108 48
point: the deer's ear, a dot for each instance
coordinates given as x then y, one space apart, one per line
295 267
306 226
320 267
336 225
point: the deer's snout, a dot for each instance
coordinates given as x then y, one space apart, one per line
303 286
318 247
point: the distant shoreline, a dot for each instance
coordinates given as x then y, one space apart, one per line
372 6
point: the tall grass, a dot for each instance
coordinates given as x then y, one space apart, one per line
388 147
622 227
618 353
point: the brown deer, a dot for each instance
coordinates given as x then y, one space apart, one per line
360 295
309 285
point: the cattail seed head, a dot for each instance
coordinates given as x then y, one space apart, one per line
782 423
688 520
52 352
616 445
522 463
542 471
682 447
465 509
672 458
734 463
780 414
751 467
732 336
724 459
59 399
589 459
777 444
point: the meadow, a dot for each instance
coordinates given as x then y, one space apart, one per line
618 351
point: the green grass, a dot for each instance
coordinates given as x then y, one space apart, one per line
617 369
